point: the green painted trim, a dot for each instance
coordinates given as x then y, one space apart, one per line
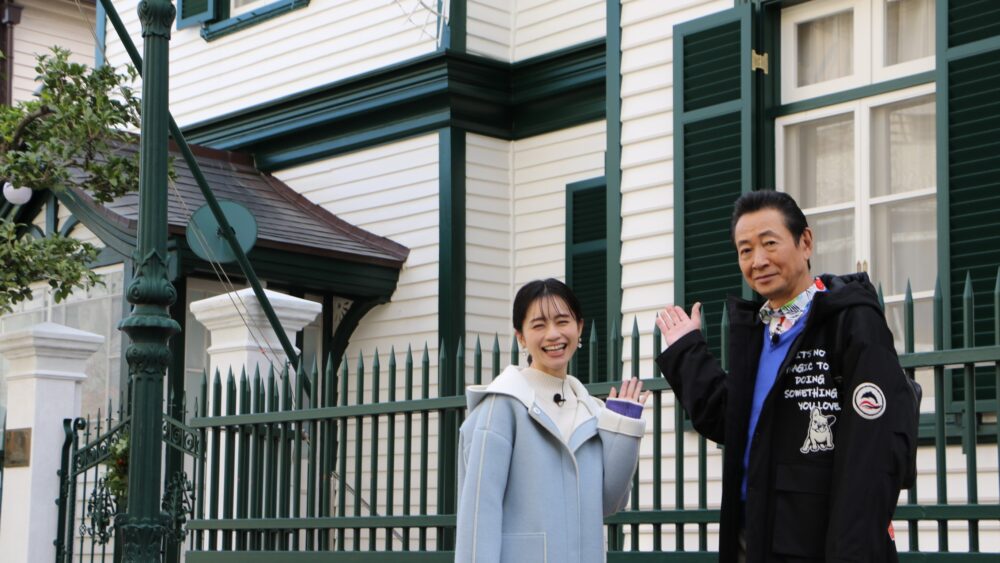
457 28
346 279
107 257
215 30
451 246
613 169
114 235
943 179
214 9
67 226
974 48
423 94
560 89
345 329
451 309
680 277
51 214
856 93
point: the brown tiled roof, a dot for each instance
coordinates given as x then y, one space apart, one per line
286 220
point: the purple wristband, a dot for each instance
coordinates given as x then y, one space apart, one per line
625 408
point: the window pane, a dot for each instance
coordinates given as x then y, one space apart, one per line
819 161
833 246
825 48
904 244
909 30
903 147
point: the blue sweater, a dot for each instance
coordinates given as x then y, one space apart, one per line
772 355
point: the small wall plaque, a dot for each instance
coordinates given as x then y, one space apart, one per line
17 447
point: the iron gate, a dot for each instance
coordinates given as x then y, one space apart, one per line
93 489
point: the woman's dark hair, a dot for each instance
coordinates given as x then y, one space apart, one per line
795 220
543 288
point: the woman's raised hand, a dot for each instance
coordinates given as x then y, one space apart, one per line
675 323
631 391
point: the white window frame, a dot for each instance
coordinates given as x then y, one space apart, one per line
801 13
868 45
880 71
863 200
235 10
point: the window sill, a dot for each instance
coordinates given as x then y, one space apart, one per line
218 29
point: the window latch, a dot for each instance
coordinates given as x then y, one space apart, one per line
758 61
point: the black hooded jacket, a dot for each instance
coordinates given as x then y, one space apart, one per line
827 461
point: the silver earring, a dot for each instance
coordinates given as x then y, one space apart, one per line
524 353
579 343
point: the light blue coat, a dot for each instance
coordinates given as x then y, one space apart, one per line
525 495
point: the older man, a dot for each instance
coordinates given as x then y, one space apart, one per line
817 417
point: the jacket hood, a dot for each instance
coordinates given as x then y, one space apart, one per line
848 290
510 382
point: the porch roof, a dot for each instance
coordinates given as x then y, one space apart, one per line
286 220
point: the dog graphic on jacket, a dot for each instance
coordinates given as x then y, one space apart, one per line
819 437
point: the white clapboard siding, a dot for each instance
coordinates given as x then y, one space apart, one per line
45 24
488 28
488 249
392 191
647 156
322 43
648 241
543 26
543 166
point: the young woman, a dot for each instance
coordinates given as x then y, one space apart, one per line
542 462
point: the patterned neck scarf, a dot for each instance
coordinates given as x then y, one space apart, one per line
783 318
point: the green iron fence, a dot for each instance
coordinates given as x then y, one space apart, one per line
366 471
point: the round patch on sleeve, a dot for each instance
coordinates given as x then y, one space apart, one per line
869 401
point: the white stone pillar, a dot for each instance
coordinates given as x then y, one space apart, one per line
43 388
241 334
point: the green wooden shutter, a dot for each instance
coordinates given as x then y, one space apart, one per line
586 266
195 12
713 126
968 55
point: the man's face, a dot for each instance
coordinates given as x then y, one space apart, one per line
771 261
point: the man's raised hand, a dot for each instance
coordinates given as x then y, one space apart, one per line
675 323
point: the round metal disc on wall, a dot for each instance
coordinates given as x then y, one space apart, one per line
205 237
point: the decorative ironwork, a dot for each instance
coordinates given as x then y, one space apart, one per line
102 506
178 504
180 436
99 450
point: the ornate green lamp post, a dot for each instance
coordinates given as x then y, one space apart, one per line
149 326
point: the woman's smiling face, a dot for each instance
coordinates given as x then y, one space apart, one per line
550 334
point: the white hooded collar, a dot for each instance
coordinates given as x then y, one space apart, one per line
512 383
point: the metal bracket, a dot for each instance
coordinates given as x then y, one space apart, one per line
758 61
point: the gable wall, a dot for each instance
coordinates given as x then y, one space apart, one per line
328 40
514 30
44 24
